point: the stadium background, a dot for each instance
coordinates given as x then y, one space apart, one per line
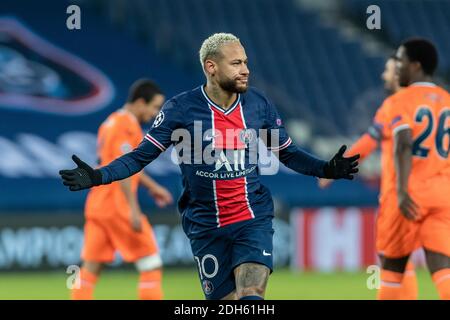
315 59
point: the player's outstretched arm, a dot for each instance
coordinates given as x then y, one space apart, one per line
157 140
339 167
85 177
364 146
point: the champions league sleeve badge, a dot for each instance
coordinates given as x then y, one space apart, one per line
158 120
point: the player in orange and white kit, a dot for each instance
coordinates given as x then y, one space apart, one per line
365 146
416 189
114 220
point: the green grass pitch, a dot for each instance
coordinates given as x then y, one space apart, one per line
184 284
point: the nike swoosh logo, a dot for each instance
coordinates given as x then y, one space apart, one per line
266 253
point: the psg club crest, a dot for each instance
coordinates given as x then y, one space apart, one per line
246 136
208 287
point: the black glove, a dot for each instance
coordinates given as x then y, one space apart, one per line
339 167
82 177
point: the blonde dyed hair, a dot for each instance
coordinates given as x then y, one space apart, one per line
211 46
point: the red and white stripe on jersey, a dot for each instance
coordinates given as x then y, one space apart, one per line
230 196
283 146
155 142
231 200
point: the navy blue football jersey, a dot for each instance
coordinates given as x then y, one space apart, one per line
216 153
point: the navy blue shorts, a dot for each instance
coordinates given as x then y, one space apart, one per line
219 251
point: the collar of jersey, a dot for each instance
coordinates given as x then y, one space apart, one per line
211 103
423 84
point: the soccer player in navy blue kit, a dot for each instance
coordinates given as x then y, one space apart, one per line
226 212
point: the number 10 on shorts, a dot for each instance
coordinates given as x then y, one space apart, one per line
201 266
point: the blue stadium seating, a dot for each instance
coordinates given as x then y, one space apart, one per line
401 19
311 71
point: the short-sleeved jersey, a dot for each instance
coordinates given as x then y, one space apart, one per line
425 109
119 133
223 188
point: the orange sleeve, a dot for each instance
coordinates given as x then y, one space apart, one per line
398 116
365 145
368 142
